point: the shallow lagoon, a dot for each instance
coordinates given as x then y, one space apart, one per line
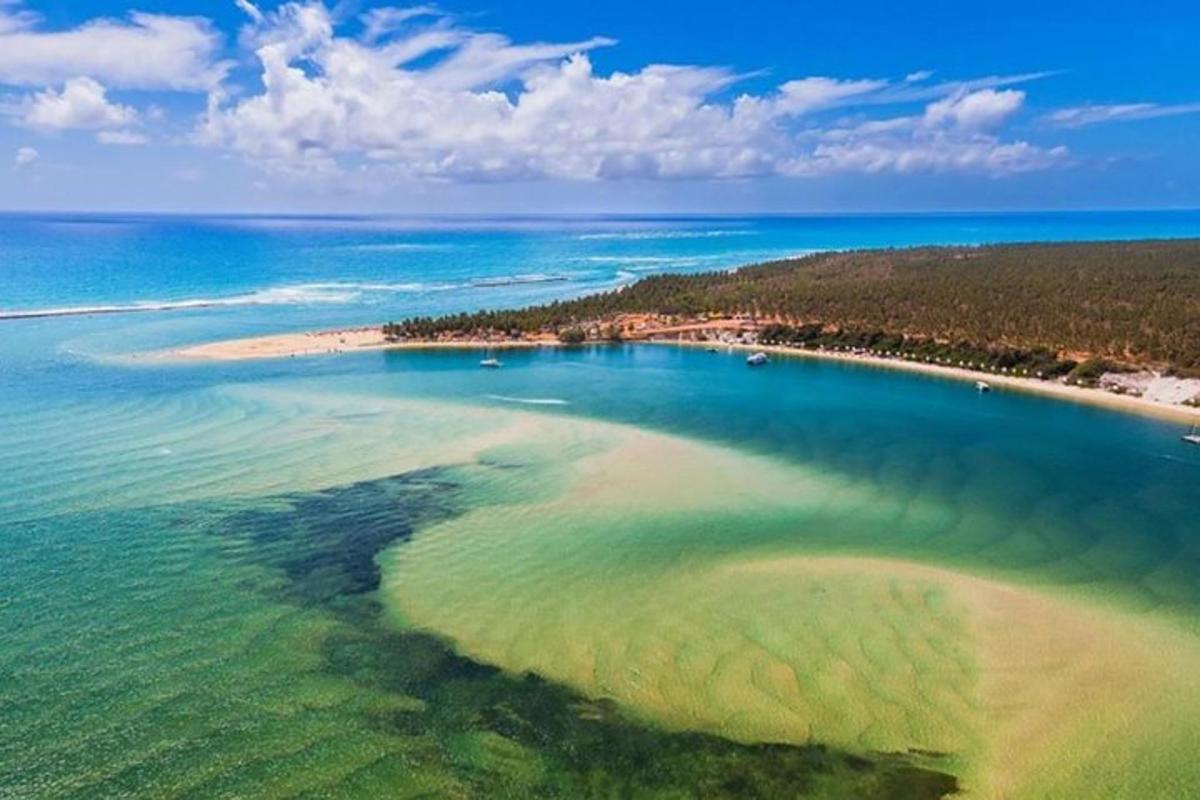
334 576
694 558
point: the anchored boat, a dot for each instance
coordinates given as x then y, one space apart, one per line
1193 437
757 360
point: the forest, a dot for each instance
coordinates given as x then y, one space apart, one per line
1135 303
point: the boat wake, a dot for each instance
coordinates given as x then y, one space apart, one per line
529 401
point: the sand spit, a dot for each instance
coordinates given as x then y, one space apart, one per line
320 343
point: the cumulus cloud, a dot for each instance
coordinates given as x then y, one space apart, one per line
146 51
417 96
1080 116
980 110
956 133
82 103
25 156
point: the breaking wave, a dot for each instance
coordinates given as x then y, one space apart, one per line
393 247
515 280
648 263
300 294
304 294
663 234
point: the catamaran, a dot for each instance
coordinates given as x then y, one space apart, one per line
1193 437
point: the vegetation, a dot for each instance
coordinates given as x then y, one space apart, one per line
572 334
1034 362
1029 304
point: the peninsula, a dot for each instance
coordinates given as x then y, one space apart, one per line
1112 322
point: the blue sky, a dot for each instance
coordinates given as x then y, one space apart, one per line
617 106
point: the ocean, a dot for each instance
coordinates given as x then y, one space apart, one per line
608 571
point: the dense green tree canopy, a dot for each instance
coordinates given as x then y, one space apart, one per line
1134 302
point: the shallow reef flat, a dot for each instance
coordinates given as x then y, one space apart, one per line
703 589
462 597
236 647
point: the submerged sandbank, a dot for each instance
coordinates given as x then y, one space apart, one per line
705 590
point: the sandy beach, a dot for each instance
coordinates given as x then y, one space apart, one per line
1078 394
317 343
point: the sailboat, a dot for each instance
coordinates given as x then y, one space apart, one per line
1194 436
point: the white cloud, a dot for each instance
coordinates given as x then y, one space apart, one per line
379 22
249 9
480 107
1080 116
25 156
954 134
918 76
918 91
810 94
147 51
986 108
82 103
934 152
127 138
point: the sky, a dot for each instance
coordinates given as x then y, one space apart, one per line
625 106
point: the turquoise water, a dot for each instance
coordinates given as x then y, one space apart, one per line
189 600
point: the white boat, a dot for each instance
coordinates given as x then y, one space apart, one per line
491 363
983 386
757 360
1193 437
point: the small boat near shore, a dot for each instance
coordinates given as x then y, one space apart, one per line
983 386
1193 436
491 363
757 360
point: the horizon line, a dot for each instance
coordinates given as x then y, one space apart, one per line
587 215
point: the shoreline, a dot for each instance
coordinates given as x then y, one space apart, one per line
369 339
1044 388
306 344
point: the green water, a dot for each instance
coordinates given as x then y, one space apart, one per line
612 572
239 649
402 575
